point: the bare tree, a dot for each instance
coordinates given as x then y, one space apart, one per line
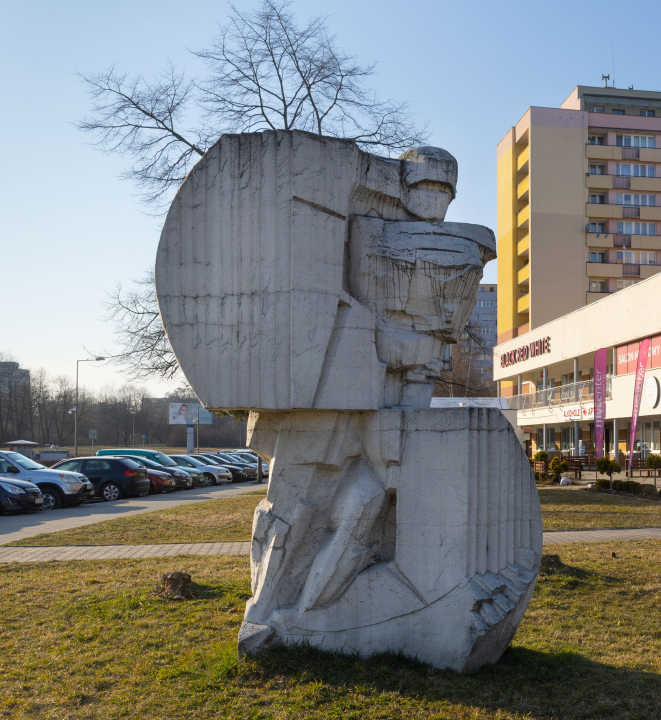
267 72
264 71
138 327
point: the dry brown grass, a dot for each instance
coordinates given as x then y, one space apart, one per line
224 520
91 641
588 510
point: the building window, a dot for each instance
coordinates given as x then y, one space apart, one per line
615 111
636 228
636 258
598 286
635 141
621 284
638 170
647 113
595 139
635 199
485 303
487 316
597 257
597 199
598 109
596 227
596 169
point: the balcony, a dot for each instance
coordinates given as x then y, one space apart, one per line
622 181
603 210
598 182
602 152
592 296
604 269
522 188
523 303
618 152
523 276
523 246
522 159
523 218
630 270
570 394
608 240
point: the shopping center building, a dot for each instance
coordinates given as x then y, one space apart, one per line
551 369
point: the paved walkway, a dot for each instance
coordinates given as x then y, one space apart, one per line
21 526
575 536
108 552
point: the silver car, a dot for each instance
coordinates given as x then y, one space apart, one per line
214 474
58 487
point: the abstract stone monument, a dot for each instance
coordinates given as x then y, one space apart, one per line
318 286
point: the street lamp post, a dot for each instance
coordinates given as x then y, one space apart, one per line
75 408
133 435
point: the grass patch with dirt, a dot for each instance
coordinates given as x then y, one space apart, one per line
589 510
92 640
223 520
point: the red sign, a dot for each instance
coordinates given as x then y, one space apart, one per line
533 349
627 356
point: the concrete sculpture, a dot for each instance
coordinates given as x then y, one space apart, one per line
318 286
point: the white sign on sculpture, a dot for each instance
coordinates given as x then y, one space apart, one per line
318 286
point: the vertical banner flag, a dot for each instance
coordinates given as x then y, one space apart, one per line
638 394
599 400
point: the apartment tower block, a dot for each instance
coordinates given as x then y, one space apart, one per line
579 204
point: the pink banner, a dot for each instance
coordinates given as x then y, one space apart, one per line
599 400
638 394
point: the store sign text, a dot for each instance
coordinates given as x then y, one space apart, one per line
525 352
579 413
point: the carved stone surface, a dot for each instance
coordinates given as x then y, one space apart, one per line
318 286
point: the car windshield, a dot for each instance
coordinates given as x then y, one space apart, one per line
25 462
165 460
206 459
193 461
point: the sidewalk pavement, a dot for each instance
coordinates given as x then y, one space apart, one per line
109 552
607 535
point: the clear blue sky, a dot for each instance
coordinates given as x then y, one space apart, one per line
71 228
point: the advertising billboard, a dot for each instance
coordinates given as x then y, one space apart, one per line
181 413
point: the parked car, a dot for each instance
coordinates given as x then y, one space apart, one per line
213 474
113 477
159 481
17 495
250 469
238 474
58 487
251 457
208 460
182 479
160 458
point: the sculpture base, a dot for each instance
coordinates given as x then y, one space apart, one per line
413 531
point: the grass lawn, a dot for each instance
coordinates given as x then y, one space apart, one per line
90 640
225 520
584 510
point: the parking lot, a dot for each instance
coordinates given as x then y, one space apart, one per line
25 525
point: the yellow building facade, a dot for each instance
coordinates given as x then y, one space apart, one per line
579 205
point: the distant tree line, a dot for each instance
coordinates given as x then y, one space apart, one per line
39 407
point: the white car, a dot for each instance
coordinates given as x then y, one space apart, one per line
58 487
213 474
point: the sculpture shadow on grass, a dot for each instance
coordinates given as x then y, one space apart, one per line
541 685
